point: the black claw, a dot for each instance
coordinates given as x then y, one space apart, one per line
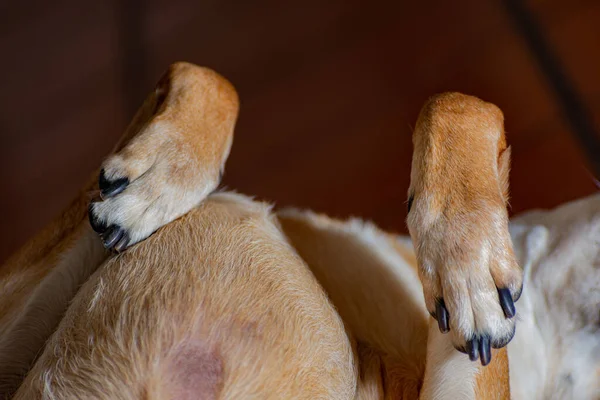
122 244
110 188
442 316
97 225
506 302
484 350
112 235
473 348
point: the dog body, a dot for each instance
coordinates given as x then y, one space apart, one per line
233 300
556 351
244 323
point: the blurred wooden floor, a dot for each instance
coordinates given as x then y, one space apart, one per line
329 93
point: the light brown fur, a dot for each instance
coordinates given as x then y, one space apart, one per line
230 300
375 291
189 120
458 221
234 286
492 381
173 155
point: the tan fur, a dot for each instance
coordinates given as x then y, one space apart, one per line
492 382
184 128
371 278
234 285
459 221
221 303
24 270
174 153
37 283
375 290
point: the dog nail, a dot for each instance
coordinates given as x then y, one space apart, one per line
506 302
442 316
473 349
97 225
122 244
112 235
111 188
484 350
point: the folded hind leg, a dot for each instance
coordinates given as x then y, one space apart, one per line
169 159
214 305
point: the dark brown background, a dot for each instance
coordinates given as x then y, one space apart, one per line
329 90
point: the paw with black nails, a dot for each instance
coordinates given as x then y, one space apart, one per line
170 159
113 236
471 280
489 323
110 188
141 192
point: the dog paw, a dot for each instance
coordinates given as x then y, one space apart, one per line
171 158
458 222
131 208
471 279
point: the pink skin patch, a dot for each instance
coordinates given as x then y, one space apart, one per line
193 372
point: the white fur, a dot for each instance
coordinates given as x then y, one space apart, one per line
556 351
372 237
450 374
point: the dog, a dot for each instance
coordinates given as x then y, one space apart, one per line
216 295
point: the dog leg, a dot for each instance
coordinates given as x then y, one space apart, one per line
450 375
459 224
174 161
170 158
215 305
36 285
371 278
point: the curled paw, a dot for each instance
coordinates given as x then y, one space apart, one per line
169 160
114 237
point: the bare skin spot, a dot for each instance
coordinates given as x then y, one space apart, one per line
194 371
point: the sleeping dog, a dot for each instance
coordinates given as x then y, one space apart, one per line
231 299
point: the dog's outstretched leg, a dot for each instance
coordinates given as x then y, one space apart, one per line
450 375
459 223
171 156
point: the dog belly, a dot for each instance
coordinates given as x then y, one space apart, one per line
216 304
